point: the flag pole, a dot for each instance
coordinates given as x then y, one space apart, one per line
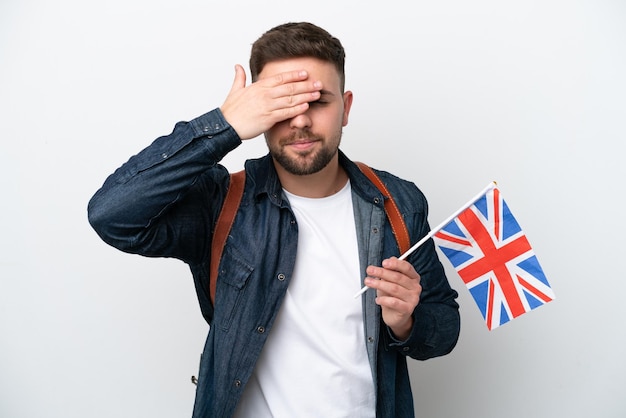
433 231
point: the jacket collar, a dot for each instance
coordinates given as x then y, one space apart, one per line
265 182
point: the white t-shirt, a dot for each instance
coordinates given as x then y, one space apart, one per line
314 363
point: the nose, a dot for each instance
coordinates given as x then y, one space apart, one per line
302 121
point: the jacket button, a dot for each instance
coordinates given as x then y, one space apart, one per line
376 200
375 230
370 339
260 330
237 383
281 277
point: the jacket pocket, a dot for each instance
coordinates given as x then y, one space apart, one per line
233 276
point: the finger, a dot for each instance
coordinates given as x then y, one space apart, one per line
297 99
404 307
285 78
402 290
405 276
402 266
395 296
285 113
296 87
291 84
287 106
240 78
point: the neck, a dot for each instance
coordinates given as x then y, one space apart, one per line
324 183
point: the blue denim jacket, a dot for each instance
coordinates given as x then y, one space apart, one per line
164 201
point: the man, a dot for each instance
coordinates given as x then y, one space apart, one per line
287 338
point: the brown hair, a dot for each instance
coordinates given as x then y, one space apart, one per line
296 40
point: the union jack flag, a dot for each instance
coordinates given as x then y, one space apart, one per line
493 257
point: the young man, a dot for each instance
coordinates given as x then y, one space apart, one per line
287 338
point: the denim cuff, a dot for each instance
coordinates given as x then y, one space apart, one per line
419 337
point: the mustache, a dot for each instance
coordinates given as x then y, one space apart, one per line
300 135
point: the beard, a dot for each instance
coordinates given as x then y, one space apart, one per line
307 162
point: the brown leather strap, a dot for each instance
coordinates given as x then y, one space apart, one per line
393 213
233 199
223 225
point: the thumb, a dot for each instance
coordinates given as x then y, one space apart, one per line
240 78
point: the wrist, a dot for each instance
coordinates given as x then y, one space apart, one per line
402 331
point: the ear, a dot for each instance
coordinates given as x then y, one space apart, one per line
347 104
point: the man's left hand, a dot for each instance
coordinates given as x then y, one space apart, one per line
398 293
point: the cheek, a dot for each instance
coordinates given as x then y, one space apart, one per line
275 131
327 117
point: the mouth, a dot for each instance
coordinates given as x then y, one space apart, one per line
302 144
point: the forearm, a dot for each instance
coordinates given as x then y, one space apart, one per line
135 198
435 319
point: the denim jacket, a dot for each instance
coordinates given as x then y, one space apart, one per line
164 202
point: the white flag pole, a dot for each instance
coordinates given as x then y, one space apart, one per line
433 231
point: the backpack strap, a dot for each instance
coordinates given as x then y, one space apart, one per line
233 199
393 213
223 225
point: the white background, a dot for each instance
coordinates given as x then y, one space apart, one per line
450 94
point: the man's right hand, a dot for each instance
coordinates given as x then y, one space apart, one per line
254 109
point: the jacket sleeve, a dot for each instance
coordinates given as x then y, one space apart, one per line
161 200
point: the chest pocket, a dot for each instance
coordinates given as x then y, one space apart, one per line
234 274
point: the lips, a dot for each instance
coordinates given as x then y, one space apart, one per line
302 144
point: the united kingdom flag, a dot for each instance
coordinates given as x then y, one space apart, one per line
491 254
